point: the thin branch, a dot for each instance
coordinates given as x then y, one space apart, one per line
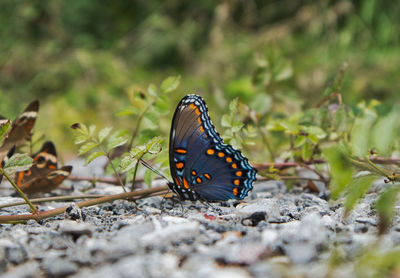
51 199
50 213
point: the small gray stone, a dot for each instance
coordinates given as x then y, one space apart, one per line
58 267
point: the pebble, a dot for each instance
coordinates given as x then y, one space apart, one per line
273 233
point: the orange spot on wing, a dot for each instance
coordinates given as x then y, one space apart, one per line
177 182
182 151
236 182
20 178
179 165
207 176
221 154
192 106
228 159
185 183
199 120
197 111
235 191
52 167
210 151
201 129
234 165
194 173
198 180
239 173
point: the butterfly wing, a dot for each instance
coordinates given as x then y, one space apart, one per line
202 165
21 128
43 176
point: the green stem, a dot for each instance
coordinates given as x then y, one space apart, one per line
135 172
22 194
115 172
135 131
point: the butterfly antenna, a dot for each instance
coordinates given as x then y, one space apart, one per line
148 166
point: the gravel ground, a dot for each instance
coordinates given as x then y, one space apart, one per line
273 233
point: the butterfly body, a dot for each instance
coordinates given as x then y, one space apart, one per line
202 166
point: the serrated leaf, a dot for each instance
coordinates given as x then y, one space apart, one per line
4 128
127 163
87 147
104 133
118 138
17 163
356 189
154 145
152 90
170 84
93 156
341 170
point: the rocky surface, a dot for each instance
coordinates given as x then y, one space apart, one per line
273 233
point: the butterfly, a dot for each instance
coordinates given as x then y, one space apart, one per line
44 175
202 166
20 129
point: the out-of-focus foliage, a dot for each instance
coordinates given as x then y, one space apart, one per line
81 58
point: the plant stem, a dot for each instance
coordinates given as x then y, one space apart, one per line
22 194
135 171
115 172
267 143
50 199
50 213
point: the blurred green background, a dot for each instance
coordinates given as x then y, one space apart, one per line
82 58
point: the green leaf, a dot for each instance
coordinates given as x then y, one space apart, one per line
289 127
87 147
17 163
104 133
117 138
4 128
356 189
233 106
385 207
170 84
261 103
162 105
154 145
300 141
306 151
128 162
150 121
341 169
92 129
317 131
128 111
385 132
152 89
93 156
360 133
226 121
